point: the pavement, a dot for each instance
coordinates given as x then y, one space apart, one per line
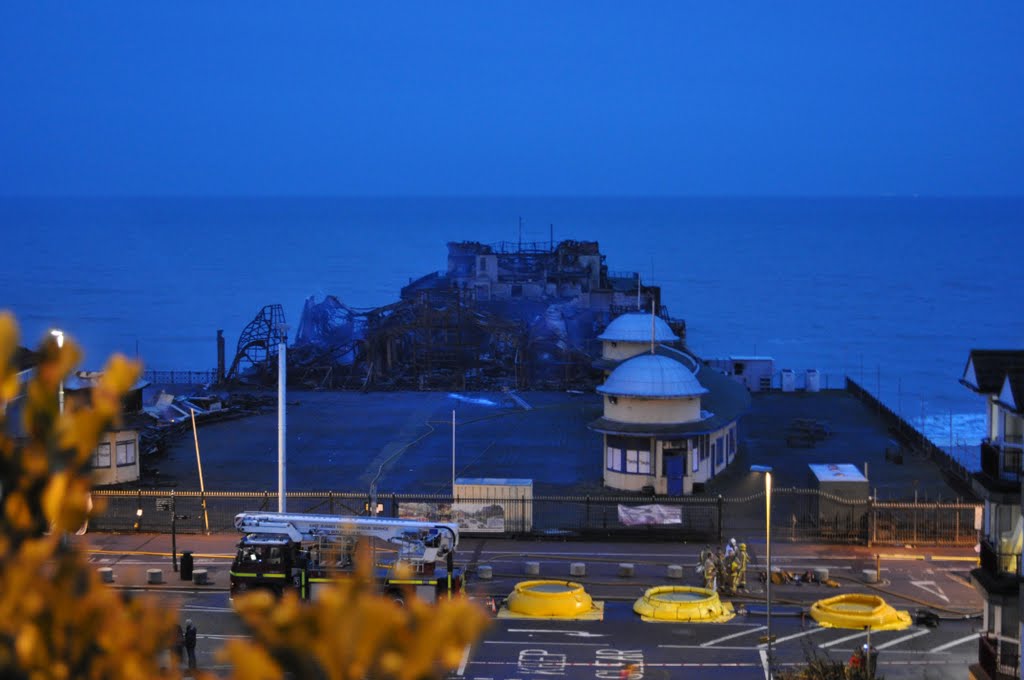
936 579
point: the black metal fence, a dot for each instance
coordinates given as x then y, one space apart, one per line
181 377
797 515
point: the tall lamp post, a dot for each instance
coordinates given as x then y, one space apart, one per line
282 380
767 470
59 334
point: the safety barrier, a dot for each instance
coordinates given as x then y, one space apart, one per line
797 515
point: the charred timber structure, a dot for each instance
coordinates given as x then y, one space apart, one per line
507 315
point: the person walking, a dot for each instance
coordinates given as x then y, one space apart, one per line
190 643
178 648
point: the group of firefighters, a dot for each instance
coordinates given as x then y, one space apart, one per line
725 570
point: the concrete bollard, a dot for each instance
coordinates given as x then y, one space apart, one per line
578 569
106 574
626 569
484 572
532 569
199 577
821 573
154 576
870 576
675 571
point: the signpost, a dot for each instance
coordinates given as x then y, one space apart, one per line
167 505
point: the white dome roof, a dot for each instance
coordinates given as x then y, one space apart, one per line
652 376
636 327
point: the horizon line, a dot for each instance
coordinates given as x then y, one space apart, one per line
589 196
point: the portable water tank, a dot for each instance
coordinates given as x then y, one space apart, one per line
788 380
813 383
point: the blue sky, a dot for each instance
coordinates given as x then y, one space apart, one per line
506 98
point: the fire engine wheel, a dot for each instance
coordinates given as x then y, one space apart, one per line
395 596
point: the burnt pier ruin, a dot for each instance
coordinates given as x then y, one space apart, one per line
507 315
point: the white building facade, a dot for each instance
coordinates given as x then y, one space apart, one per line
669 422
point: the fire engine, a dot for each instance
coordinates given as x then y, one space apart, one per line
282 551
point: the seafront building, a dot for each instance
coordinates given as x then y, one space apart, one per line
669 421
115 460
998 375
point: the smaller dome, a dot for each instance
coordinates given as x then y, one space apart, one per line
652 376
636 327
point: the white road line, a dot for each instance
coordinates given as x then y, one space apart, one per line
764 664
898 640
719 648
954 643
208 609
812 631
734 635
841 640
534 643
931 587
462 663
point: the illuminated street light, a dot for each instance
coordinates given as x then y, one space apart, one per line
767 470
59 334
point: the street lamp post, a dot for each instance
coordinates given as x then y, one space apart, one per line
59 334
282 456
767 470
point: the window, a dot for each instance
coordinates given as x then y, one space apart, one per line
101 456
631 455
695 456
614 459
125 452
613 400
644 463
638 462
719 448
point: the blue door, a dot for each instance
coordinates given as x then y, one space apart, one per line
674 472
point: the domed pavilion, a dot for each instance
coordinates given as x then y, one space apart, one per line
669 422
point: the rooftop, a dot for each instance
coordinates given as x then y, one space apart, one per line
636 327
652 376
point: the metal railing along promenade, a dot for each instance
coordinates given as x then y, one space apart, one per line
797 515
180 377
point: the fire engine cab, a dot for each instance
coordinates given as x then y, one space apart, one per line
282 551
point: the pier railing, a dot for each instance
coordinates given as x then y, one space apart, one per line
955 472
181 377
797 515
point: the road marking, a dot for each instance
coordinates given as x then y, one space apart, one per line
718 648
546 642
570 633
841 640
462 663
931 587
764 664
734 635
885 556
898 640
812 631
953 558
207 609
954 643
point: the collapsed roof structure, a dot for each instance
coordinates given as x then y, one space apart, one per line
509 315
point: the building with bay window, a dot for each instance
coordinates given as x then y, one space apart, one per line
669 421
998 376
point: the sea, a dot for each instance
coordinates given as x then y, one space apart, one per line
892 292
